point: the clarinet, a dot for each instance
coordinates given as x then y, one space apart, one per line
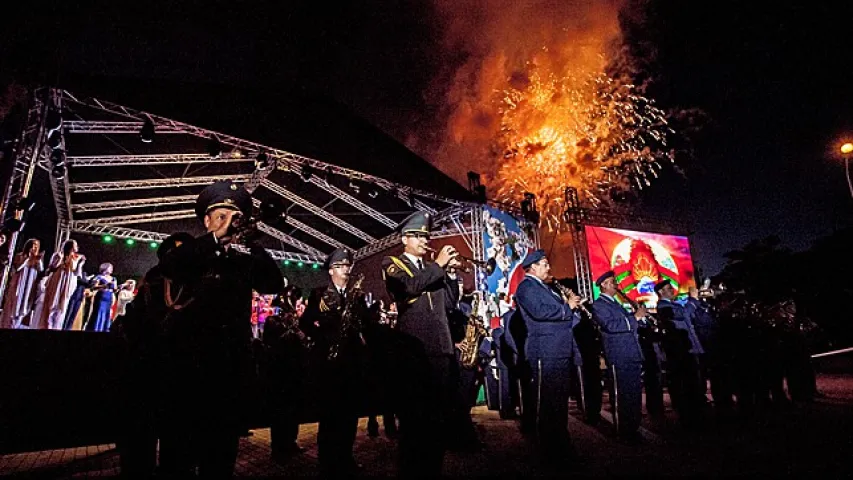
567 293
652 321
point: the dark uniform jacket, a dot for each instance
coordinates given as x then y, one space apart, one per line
420 296
679 318
550 322
618 332
321 320
221 283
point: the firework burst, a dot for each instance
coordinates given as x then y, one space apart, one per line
590 132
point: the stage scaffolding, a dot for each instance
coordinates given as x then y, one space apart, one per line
57 117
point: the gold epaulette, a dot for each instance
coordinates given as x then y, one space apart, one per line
398 264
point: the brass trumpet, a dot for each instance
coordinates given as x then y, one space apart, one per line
488 265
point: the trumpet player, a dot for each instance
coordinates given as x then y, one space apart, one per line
623 355
552 354
431 376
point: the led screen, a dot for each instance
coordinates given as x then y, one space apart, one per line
640 260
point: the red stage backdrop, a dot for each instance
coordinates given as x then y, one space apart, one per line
640 260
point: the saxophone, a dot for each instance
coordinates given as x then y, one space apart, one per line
350 323
469 347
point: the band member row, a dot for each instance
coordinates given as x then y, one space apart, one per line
619 333
429 374
551 352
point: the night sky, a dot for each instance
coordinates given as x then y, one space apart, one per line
773 82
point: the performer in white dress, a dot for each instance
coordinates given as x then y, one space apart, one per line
21 291
64 267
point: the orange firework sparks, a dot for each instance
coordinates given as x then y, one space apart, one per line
590 132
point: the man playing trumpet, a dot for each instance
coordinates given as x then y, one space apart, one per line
429 374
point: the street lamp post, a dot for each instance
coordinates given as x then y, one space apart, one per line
846 150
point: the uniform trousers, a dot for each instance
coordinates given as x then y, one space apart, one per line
430 391
506 403
201 418
627 401
552 384
338 424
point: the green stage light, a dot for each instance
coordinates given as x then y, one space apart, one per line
300 264
316 265
153 245
107 239
287 263
130 242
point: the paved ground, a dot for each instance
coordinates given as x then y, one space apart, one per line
802 441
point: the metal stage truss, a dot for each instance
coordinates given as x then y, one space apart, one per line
106 178
578 216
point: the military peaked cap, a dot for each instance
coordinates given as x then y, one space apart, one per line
223 194
339 256
418 222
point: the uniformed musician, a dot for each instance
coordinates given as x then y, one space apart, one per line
339 375
429 371
551 352
623 354
210 350
682 348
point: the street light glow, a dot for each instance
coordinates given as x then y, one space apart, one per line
847 148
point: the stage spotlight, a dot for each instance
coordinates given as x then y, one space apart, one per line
58 172
57 158
130 242
26 204
262 161
271 210
153 245
354 186
54 139
147 132
107 239
287 263
528 208
300 264
214 148
480 194
315 266
306 173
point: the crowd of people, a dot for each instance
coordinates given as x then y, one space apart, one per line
61 295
